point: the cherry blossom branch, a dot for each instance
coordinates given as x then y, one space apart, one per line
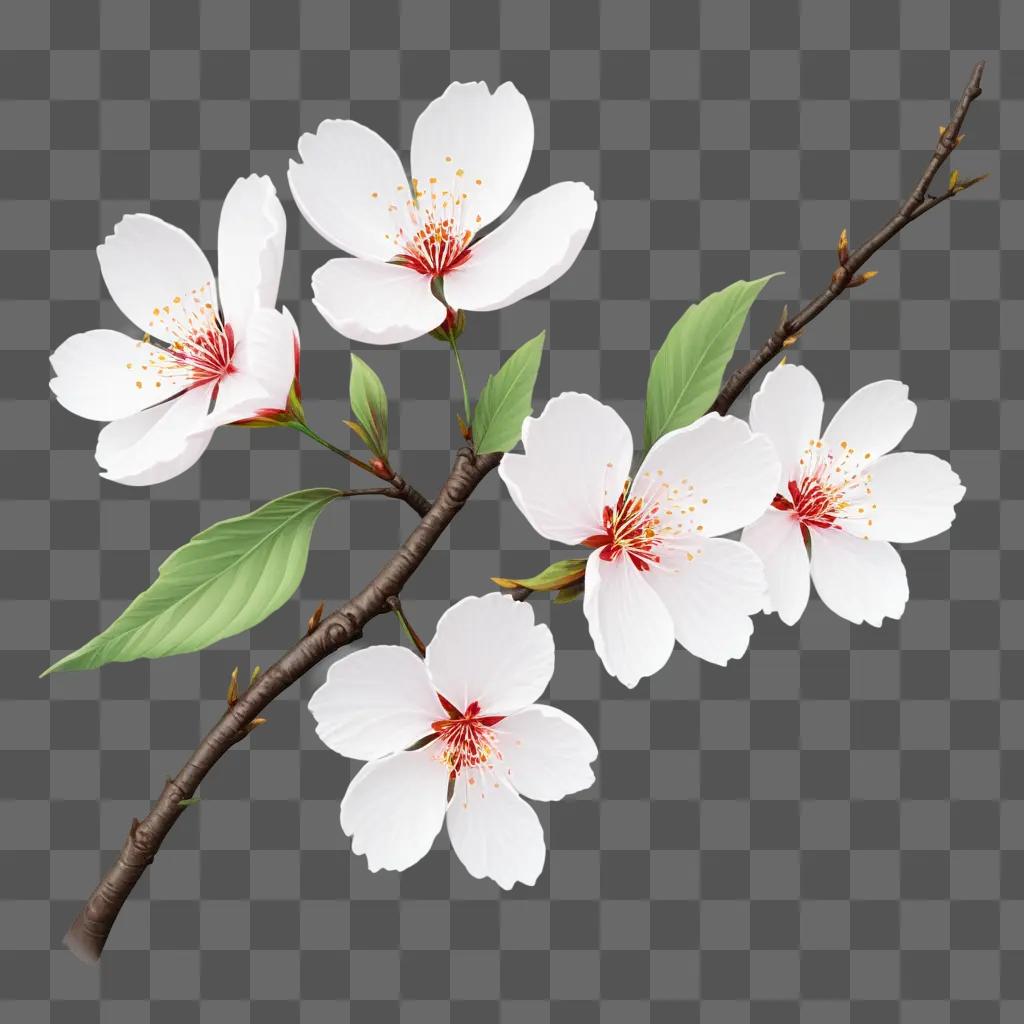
845 275
90 929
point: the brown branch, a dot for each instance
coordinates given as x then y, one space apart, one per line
89 931
844 277
404 491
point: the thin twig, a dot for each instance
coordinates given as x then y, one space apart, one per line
89 931
916 204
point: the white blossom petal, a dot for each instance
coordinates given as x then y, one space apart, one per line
788 407
268 354
631 628
250 249
376 701
158 443
873 420
912 497
493 831
351 188
156 274
860 580
717 468
544 753
711 589
98 375
778 541
533 248
490 650
376 303
394 808
577 457
488 137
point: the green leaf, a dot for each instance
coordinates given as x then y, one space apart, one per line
507 399
369 406
554 577
569 594
223 581
687 371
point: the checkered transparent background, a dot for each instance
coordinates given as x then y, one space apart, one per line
831 830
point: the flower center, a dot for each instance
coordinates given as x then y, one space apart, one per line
468 738
630 529
831 487
198 347
434 225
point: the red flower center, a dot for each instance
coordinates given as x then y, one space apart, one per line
436 248
468 737
630 529
813 503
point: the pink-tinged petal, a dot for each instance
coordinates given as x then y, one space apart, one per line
544 753
873 420
157 275
533 248
376 303
709 478
376 701
577 457
631 628
711 589
474 143
100 375
788 408
351 188
158 443
490 650
266 354
860 580
907 496
493 831
250 249
394 808
777 540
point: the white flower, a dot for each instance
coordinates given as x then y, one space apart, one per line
470 150
841 498
455 736
660 570
195 369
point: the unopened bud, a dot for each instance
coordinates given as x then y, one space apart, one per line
843 248
253 724
953 179
860 279
314 619
233 688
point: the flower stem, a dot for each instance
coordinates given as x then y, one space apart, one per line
454 345
304 428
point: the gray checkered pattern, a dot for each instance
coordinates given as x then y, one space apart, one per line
831 830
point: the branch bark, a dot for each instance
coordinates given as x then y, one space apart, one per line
916 204
89 931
